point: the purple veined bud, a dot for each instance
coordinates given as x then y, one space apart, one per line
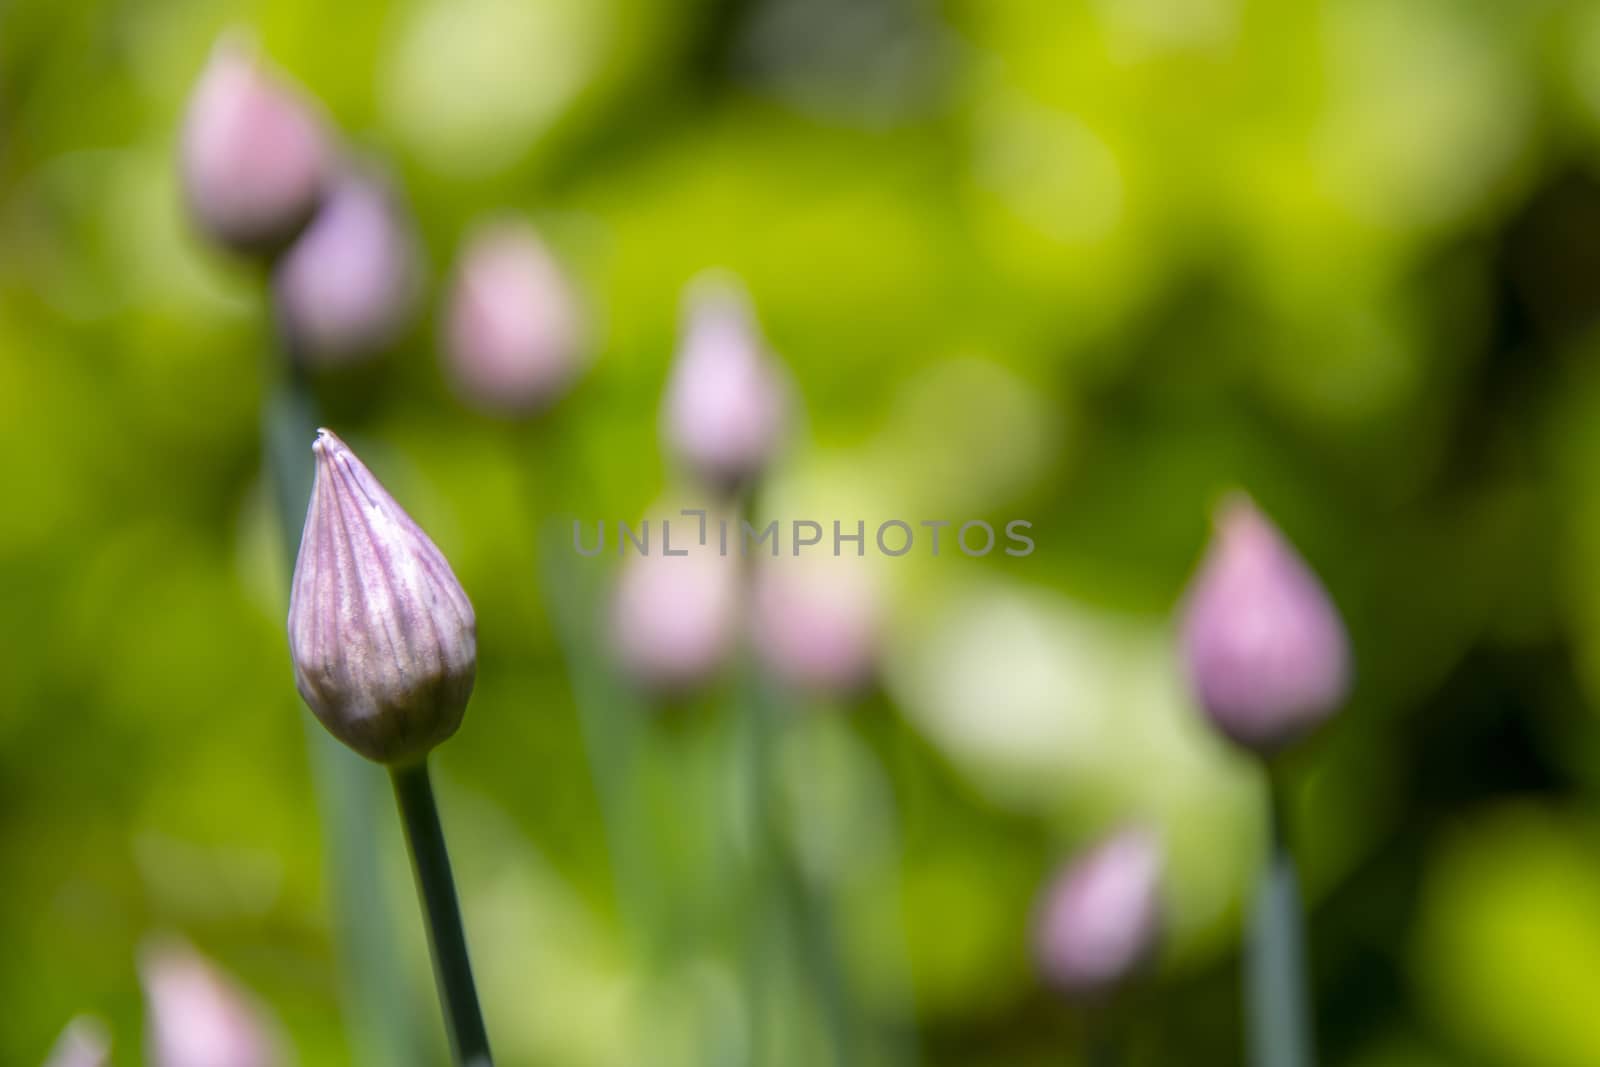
383 638
726 400
349 286
254 153
198 1017
817 622
674 618
513 331
1100 917
1266 653
84 1043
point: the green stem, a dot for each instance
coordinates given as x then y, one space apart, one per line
413 791
1280 1014
346 785
1100 1048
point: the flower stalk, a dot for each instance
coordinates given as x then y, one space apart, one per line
1277 997
447 941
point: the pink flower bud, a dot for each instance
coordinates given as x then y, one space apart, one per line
349 286
725 401
254 154
383 638
674 617
84 1043
200 1018
513 330
1100 917
1266 652
817 621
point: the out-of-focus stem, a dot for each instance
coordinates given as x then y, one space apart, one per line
789 914
447 939
347 786
1275 968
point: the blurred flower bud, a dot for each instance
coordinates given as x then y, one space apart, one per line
200 1018
84 1043
254 153
817 621
674 617
349 286
725 402
1100 917
513 330
1266 652
382 635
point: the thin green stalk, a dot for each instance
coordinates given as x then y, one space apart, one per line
347 786
789 914
610 718
1100 1048
447 939
1280 1015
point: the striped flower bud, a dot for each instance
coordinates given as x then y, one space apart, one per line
348 287
383 638
1100 918
253 155
513 331
1266 653
198 1017
725 403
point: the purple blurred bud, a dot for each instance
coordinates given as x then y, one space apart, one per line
1266 652
199 1018
349 286
383 638
254 153
674 617
726 400
84 1043
1100 917
817 622
513 331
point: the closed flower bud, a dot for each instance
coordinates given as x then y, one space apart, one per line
817 621
513 331
1100 917
349 286
83 1043
382 635
725 403
200 1018
254 153
1266 652
674 618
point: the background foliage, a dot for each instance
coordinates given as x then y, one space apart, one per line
1084 263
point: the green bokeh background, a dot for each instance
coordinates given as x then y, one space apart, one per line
1088 264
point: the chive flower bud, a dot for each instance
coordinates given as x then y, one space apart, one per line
83 1043
817 623
725 402
348 287
674 618
513 331
198 1017
1265 650
253 154
1100 917
383 638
